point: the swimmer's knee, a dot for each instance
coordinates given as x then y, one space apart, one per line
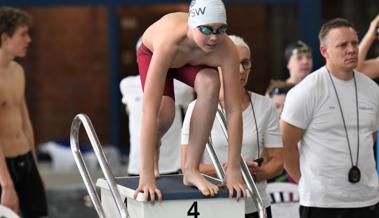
164 124
166 114
208 81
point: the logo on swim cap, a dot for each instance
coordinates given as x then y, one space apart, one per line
193 2
203 12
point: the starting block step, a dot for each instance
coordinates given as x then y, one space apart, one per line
178 200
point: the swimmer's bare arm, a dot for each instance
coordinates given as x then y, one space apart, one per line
369 67
27 127
8 195
291 135
232 88
160 63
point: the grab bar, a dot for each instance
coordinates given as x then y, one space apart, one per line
216 162
251 186
74 141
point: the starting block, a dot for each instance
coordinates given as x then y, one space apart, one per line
178 200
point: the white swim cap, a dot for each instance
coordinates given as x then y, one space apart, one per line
205 12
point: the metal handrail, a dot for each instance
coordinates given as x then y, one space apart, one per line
216 162
74 141
251 186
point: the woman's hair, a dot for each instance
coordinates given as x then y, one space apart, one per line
237 40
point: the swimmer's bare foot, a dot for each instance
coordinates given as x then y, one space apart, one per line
194 178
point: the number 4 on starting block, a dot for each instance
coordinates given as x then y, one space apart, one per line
179 201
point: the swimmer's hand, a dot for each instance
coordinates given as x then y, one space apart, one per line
149 188
234 183
9 198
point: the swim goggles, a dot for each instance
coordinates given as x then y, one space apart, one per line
208 30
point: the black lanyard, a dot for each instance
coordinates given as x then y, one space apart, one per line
354 171
255 121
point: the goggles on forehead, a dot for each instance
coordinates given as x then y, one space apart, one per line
246 64
296 51
279 91
208 30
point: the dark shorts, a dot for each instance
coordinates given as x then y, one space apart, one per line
256 215
28 185
186 74
362 212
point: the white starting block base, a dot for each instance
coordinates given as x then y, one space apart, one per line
179 201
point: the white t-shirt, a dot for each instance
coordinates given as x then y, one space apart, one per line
324 154
132 96
269 137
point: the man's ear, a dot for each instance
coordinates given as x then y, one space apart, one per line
323 51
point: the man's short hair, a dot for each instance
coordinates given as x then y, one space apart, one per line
11 19
332 24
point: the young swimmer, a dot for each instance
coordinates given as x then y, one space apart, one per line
189 47
21 186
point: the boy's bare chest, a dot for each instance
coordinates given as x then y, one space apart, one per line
193 57
11 89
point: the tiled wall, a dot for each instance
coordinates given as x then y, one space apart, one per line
67 70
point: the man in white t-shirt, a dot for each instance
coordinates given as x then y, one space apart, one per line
169 162
334 114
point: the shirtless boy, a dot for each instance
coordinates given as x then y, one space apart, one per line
190 47
21 186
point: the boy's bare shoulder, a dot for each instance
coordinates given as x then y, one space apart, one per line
176 16
17 70
170 29
227 48
172 21
16 67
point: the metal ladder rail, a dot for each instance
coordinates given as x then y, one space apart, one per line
251 186
74 141
221 175
216 162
